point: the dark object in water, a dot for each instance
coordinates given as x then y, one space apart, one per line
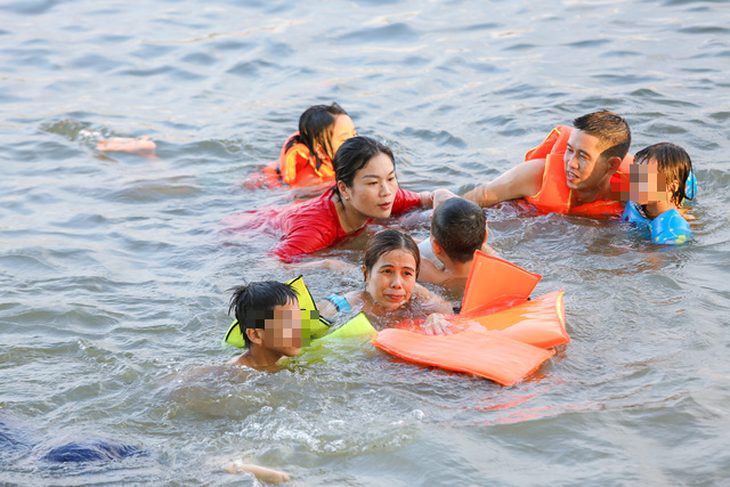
89 450
18 439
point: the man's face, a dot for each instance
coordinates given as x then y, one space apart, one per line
584 166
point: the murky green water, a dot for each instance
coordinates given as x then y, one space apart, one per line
114 273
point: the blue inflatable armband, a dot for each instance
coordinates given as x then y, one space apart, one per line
633 214
668 228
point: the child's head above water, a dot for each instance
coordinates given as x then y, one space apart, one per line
323 129
269 316
659 177
459 227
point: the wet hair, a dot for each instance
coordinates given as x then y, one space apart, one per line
315 128
459 226
610 129
353 155
385 241
254 303
673 161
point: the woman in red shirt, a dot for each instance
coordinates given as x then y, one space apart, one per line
366 187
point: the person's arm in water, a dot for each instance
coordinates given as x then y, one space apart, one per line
436 197
142 146
328 308
522 181
487 249
331 264
264 474
432 302
435 324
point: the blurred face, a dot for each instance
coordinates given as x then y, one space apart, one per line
343 129
647 184
283 332
373 188
584 166
391 281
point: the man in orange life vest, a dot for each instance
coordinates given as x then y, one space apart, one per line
577 170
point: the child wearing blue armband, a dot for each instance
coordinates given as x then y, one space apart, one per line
661 178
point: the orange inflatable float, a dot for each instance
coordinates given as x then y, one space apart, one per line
506 334
474 351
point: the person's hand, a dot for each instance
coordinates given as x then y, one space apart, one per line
440 195
268 475
436 324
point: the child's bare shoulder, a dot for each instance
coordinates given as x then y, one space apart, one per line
431 274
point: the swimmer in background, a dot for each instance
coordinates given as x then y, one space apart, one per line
307 155
19 441
305 159
661 178
458 228
390 268
366 188
269 319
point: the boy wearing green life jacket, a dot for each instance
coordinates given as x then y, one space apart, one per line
270 322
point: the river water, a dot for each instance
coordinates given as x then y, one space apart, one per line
114 273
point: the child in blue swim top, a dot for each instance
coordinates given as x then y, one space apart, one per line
661 179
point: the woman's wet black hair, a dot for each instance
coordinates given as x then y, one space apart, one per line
315 128
254 303
353 155
385 241
672 161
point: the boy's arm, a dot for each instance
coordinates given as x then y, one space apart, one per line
521 181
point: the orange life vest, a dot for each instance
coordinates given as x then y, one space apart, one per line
297 168
554 195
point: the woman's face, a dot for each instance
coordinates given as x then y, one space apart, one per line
342 130
373 189
391 281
